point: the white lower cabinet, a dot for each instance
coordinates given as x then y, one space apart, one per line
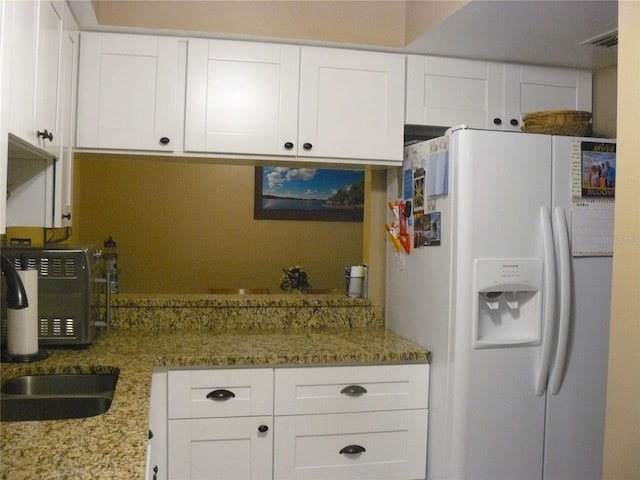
220 424
388 445
370 388
355 422
224 448
365 422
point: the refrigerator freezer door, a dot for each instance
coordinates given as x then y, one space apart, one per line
575 415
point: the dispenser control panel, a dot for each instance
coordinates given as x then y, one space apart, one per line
507 305
507 273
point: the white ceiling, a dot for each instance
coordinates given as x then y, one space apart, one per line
545 32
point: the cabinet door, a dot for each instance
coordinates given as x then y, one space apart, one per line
368 446
46 126
351 104
34 58
225 448
128 92
48 62
5 39
158 427
66 121
242 97
449 91
446 92
23 17
530 88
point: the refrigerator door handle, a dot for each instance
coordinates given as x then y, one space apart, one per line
564 261
548 318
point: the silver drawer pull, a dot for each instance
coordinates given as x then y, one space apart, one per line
220 395
354 390
352 450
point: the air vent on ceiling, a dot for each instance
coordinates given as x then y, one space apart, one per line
606 40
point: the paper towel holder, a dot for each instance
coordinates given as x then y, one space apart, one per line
7 357
16 291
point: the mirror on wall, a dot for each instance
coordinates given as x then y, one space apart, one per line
185 227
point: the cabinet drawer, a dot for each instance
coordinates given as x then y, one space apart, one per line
351 389
220 393
393 444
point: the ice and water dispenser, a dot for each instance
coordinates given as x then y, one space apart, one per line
508 302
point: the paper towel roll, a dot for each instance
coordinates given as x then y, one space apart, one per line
356 279
22 324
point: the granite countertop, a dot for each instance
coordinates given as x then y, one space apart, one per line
113 445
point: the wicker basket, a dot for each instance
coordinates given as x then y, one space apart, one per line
558 122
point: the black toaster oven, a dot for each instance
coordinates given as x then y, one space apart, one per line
71 293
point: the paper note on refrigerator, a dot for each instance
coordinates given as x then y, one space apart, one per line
438 168
592 227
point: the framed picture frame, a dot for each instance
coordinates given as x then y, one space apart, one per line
598 169
301 193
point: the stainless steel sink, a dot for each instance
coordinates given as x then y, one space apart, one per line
57 396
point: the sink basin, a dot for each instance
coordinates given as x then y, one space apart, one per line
57 396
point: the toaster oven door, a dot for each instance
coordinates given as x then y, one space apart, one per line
69 298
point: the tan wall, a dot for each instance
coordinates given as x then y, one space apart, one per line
183 227
364 22
375 237
622 436
605 91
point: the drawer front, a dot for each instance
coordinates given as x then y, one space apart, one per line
374 445
220 393
351 389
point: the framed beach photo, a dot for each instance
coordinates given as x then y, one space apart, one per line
301 193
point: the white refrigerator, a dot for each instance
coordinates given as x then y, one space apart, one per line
506 280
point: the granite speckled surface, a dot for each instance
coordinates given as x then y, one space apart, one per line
223 312
113 445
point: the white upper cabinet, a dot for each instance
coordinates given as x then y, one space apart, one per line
269 99
529 88
32 32
489 95
66 119
242 97
128 92
47 101
351 104
35 56
22 21
446 91
5 95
